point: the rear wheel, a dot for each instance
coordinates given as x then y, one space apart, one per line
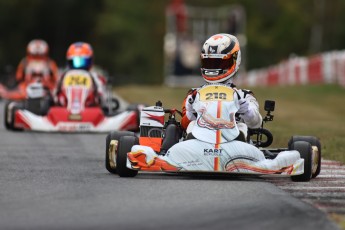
305 149
111 147
10 111
316 146
7 119
124 146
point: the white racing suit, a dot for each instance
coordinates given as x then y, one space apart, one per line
214 148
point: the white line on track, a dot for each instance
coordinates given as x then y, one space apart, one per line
312 188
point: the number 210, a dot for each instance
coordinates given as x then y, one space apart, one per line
215 96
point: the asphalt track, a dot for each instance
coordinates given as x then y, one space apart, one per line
58 181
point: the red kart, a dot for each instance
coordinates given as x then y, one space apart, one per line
39 113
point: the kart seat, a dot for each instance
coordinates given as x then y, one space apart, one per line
172 136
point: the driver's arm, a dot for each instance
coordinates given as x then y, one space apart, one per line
20 72
250 113
188 113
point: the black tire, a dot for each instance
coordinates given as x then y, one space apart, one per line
315 142
124 146
305 149
9 115
7 123
113 136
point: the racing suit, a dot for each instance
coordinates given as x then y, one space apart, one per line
40 69
247 117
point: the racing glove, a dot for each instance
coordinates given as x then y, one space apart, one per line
244 106
190 111
249 111
189 114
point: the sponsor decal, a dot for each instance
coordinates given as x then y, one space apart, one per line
213 152
206 120
160 119
212 50
191 163
74 117
74 127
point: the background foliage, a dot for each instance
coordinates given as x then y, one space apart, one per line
127 35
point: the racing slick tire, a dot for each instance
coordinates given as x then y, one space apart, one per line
10 110
124 146
306 151
316 145
111 145
7 122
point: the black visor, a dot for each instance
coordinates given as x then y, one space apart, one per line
216 63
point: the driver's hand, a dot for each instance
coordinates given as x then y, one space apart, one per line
244 106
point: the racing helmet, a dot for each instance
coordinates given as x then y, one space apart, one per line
37 48
80 56
220 58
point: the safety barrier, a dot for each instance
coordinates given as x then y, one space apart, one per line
325 68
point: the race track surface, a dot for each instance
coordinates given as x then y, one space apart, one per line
58 181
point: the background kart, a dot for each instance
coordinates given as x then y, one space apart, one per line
35 71
38 112
161 137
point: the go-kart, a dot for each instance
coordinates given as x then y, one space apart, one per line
125 150
39 113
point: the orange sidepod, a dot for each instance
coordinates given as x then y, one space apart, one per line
154 142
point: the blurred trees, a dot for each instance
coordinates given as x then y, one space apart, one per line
127 35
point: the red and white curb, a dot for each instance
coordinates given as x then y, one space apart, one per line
325 192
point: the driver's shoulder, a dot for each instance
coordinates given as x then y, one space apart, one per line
245 92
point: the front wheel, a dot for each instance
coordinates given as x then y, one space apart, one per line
111 148
306 151
316 146
124 146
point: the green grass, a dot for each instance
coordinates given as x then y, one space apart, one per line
316 110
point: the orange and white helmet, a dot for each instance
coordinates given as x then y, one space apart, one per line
80 56
37 48
220 58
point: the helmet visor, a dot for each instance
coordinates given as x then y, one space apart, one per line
80 62
216 63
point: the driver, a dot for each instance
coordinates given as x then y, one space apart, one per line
218 142
37 66
80 57
220 62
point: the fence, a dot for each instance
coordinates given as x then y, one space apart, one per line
325 68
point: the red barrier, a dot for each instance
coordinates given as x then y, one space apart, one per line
315 69
273 76
326 68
